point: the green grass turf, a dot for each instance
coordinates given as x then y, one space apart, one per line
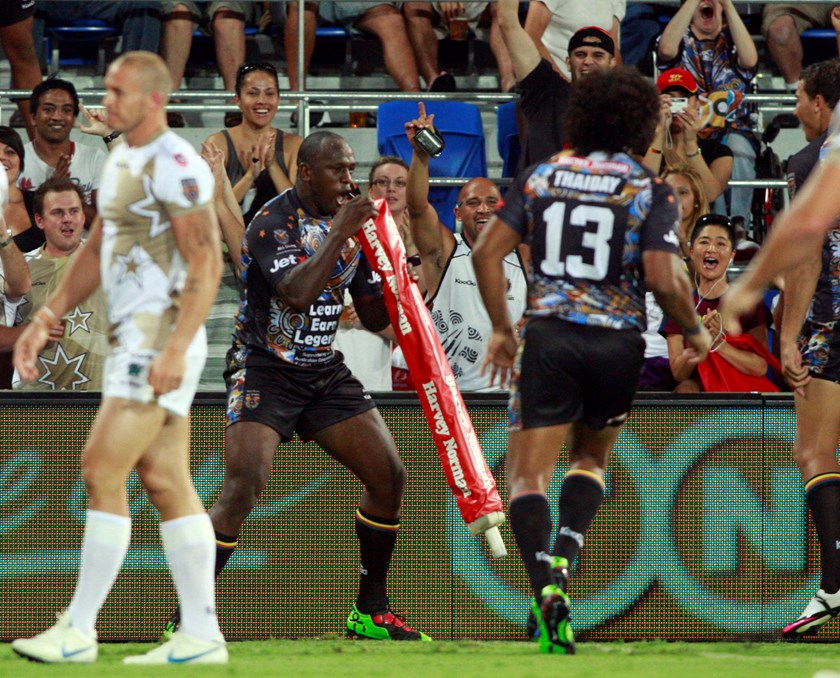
339 657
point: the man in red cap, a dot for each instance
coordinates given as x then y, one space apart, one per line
544 91
677 141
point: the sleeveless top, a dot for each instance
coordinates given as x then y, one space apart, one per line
263 189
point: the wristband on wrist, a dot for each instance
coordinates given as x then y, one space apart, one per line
693 155
654 150
693 332
110 137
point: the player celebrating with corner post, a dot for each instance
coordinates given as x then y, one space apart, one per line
601 229
155 251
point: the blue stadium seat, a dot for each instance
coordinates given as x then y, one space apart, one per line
507 137
818 44
80 31
464 156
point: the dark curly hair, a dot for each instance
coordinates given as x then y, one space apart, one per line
612 110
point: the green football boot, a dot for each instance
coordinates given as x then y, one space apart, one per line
382 625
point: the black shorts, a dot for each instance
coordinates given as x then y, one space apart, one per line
14 11
290 398
820 348
566 372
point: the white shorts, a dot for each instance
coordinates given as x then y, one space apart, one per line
126 375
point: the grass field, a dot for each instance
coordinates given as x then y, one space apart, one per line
338 657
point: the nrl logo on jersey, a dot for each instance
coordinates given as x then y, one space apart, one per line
190 188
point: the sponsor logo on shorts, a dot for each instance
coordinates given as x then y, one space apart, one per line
135 369
252 399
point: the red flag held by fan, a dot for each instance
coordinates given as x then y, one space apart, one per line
463 462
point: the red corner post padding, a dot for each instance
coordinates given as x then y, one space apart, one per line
463 462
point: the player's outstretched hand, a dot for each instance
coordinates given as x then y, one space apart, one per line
501 352
738 301
352 214
29 344
167 371
795 373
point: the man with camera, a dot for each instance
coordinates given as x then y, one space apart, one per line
677 142
457 310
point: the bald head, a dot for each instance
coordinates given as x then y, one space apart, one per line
151 70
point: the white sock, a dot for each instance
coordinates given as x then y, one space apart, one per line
792 86
103 550
190 546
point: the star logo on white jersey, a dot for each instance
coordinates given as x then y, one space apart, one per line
141 209
61 363
130 266
78 321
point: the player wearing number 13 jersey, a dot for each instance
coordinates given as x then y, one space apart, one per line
601 229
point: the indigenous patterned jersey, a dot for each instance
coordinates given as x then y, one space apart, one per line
825 308
143 272
281 236
588 220
721 81
74 363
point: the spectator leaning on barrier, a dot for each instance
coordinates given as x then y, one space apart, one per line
544 92
74 359
782 26
723 60
458 312
677 143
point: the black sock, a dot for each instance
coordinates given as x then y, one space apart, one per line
225 545
377 539
530 520
580 499
823 494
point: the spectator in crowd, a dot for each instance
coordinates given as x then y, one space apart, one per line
220 318
817 95
656 369
552 23
427 22
369 354
723 60
226 19
383 20
734 363
137 20
544 92
16 37
688 187
73 361
677 141
54 105
15 281
782 25
260 160
639 29
458 312
19 211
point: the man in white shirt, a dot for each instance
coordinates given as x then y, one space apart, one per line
54 107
